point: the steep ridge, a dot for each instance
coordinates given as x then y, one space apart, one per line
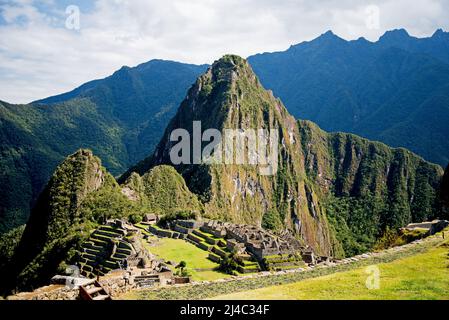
79 195
120 118
321 177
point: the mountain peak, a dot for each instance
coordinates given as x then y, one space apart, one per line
439 33
227 69
230 61
328 35
395 35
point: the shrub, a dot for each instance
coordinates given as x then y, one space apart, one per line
182 270
135 218
230 263
177 215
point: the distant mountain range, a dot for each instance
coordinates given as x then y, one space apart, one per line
395 90
120 118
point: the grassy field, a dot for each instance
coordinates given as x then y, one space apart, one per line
179 250
423 276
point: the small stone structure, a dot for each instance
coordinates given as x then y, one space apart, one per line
150 218
432 227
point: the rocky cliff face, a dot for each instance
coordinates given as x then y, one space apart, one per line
316 171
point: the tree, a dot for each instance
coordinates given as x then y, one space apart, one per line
182 269
229 263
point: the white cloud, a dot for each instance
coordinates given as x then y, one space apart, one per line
39 57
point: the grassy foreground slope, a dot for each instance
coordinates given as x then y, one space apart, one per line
423 276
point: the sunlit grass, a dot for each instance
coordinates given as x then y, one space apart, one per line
423 276
176 250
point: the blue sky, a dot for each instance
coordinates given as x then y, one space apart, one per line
40 56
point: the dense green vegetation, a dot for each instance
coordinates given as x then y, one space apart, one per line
167 192
177 215
8 245
394 90
374 187
444 194
393 237
120 118
79 196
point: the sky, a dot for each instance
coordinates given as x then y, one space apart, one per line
49 47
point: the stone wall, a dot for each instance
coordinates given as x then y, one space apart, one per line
52 292
115 285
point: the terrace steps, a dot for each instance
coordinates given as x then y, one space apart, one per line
94 291
104 250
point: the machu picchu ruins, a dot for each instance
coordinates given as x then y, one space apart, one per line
117 246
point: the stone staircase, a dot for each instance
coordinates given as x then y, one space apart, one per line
106 250
94 291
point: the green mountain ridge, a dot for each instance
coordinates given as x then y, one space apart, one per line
120 118
393 90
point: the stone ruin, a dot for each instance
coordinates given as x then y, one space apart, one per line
258 242
150 219
122 252
432 227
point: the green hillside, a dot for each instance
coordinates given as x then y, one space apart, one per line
79 196
120 118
